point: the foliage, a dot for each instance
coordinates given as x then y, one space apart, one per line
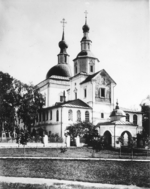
63 149
120 139
7 111
22 136
146 120
89 132
144 138
18 101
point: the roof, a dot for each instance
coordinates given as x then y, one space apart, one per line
86 54
77 103
90 77
59 70
117 112
119 122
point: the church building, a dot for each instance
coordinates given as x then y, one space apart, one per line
86 95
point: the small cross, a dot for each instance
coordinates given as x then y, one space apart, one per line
63 23
86 15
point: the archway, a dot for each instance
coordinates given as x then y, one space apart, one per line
126 136
108 139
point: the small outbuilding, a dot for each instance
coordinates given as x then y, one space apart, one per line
118 126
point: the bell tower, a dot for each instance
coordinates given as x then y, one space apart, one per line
85 60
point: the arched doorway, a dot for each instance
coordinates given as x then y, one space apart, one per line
126 135
108 139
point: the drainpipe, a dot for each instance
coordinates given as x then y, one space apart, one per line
114 135
92 102
61 122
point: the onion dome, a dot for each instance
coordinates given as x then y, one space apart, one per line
117 112
146 102
62 44
59 70
85 28
62 68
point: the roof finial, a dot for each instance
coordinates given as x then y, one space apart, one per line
63 23
86 16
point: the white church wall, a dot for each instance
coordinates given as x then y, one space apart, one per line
89 92
76 87
55 91
139 117
98 109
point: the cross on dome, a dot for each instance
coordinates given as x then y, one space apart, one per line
86 16
63 23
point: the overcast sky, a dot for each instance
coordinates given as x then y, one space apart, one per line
30 31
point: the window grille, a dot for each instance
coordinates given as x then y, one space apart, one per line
78 115
87 116
70 115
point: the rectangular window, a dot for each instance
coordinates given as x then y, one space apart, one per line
61 98
102 92
102 115
91 68
84 93
75 95
50 114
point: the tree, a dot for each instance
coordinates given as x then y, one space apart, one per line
89 132
30 103
7 100
132 144
146 120
18 101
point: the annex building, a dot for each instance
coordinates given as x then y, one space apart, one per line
86 95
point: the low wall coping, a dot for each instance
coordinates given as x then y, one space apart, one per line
77 159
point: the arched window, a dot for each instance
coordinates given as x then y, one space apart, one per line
57 115
45 99
127 117
76 95
76 69
135 119
102 115
87 116
46 115
70 115
50 114
78 115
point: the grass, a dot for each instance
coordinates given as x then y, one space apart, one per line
110 172
70 152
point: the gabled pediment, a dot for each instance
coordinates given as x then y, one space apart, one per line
103 78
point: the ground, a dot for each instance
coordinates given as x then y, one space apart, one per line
51 165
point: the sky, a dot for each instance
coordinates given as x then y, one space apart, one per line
119 29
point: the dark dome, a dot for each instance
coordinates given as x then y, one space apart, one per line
117 112
59 70
86 53
85 28
63 44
